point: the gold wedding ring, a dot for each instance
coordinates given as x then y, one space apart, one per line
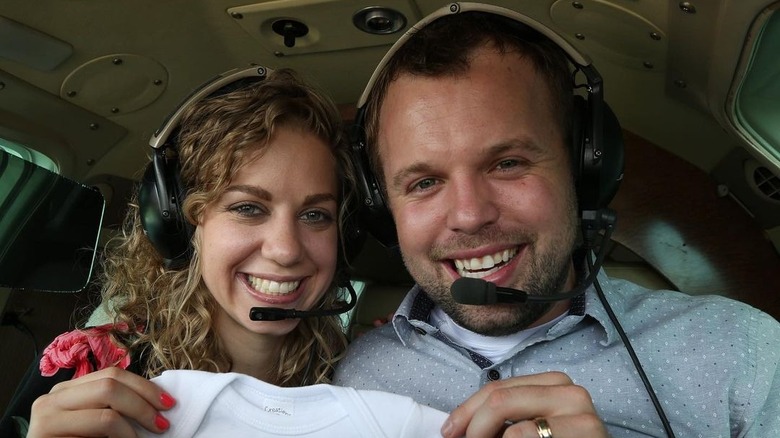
542 428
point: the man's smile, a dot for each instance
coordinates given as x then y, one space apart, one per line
479 267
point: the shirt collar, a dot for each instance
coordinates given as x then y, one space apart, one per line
413 313
595 308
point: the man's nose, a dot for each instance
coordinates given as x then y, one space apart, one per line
472 205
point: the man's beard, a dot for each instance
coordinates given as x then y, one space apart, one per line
543 274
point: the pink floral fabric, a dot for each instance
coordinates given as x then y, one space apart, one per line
85 350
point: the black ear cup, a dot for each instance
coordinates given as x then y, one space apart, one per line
352 238
373 213
161 193
613 158
160 198
597 165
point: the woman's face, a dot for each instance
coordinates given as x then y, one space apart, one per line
271 239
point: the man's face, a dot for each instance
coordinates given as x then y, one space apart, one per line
479 184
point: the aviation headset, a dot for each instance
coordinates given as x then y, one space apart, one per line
597 149
161 193
597 155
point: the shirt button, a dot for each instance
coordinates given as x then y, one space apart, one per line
420 331
493 375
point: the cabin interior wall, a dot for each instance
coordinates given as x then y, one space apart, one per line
671 215
30 322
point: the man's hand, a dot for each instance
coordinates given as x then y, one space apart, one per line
102 403
509 407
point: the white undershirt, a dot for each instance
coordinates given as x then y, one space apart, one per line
494 348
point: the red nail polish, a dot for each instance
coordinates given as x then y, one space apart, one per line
167 400
161 422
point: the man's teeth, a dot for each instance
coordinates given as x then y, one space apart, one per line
479 267
271 287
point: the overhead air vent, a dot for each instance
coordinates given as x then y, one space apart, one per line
330 26
753 184
763 181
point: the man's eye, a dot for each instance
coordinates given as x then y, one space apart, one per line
425 184
507 164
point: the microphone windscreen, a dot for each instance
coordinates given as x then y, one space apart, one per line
473 291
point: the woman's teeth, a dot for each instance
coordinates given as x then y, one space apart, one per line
479 267
270 287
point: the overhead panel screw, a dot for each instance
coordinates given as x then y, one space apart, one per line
687 7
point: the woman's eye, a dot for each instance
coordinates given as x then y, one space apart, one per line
247 210
317 217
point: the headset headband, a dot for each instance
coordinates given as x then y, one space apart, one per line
597 149
160 136
578 58
162 194
581 62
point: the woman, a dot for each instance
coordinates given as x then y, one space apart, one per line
263 174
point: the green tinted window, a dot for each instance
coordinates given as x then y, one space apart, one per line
757 108
49 227
28 154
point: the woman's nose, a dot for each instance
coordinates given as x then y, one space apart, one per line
283 242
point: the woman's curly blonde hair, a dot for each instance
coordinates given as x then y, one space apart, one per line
170 312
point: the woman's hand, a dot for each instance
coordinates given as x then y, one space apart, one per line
103 403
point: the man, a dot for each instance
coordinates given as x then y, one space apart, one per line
469 124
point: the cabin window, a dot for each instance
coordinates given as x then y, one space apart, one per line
756 110
346 317
28 154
